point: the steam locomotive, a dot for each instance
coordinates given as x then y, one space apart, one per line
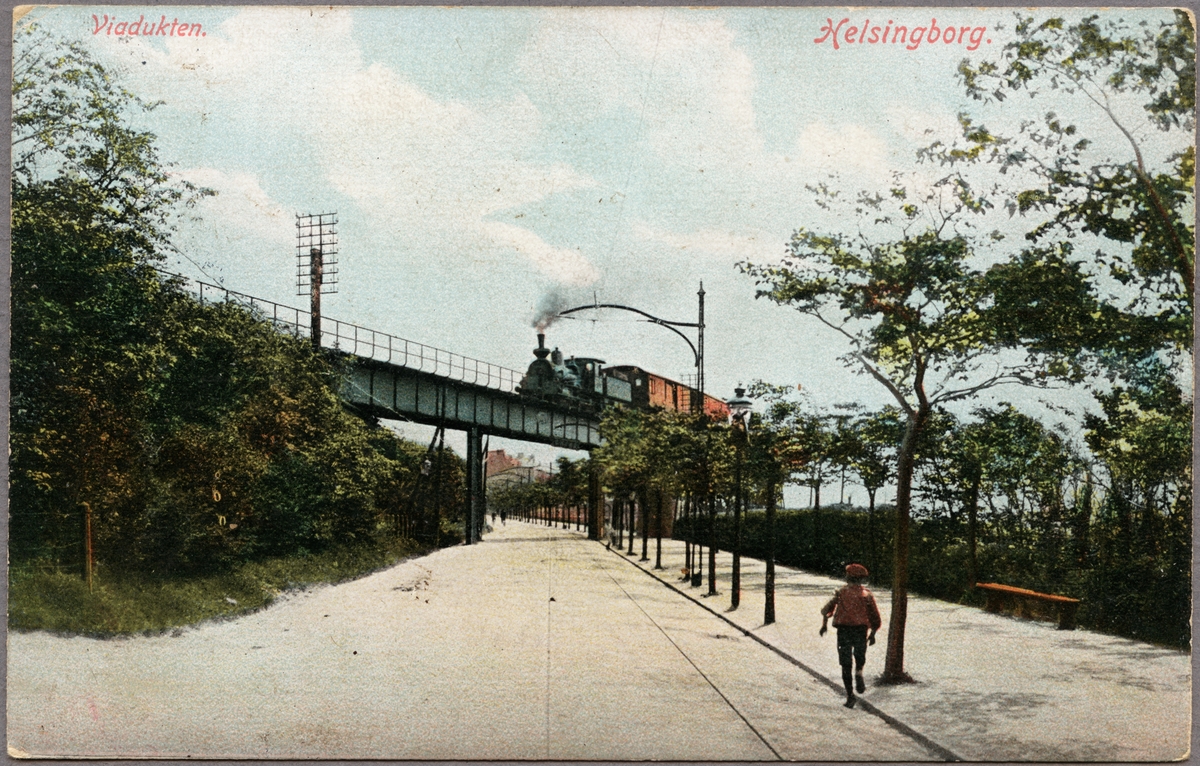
586 382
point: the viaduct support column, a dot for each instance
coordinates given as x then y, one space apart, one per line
596 530
475 486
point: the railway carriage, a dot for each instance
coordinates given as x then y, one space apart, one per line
587 382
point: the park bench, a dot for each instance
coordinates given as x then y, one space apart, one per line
1006 596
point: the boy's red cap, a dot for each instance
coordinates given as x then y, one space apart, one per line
856 570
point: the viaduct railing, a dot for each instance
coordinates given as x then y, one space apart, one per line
361 341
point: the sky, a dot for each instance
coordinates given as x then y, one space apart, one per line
484 161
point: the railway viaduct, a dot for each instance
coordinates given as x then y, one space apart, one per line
391 378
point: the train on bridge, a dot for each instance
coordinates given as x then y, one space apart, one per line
586 383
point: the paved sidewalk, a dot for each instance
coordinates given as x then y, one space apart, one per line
989 687
535 644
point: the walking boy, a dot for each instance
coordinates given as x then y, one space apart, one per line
853 610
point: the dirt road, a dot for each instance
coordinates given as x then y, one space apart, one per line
535 644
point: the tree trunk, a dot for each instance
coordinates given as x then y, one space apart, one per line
973 530
735 581
712 545
619 520
643 508
687 541
872 559
632 524
893 670
658 525
769 605
1083 518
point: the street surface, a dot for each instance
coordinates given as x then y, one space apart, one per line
540 644
988 687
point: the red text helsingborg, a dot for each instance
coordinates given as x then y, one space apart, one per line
910 37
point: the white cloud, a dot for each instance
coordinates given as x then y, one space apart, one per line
922 127
239 193
567 267
443 167
392 144
435 168
241 211
683 76
727 245
840 147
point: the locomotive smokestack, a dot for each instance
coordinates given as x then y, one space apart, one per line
541 352
541 340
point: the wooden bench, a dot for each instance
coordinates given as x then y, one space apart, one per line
1005 596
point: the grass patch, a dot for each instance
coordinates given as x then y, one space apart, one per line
128 604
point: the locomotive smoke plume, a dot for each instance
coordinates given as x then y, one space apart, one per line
548 308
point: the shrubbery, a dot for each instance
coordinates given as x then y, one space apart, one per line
1125 588
232 447
195 438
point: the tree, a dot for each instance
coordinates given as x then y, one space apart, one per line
777 449
871 443
74 144
91 206
193 436
914 312
1138 200
1130 315
1005 475
870 447
821 447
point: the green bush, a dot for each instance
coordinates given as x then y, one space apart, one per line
1140 591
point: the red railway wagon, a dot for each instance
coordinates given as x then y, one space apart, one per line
650 390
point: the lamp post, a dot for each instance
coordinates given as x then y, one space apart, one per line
739 413
697 406
697 348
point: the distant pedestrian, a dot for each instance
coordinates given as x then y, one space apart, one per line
854 611
503 516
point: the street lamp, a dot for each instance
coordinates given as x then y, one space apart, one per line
739 409
739 415
697 405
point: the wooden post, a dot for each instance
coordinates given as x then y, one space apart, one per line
769 604
316 274
87 537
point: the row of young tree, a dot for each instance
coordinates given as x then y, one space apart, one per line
938 305
151 433
998 496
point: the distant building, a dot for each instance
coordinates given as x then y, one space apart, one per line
502 469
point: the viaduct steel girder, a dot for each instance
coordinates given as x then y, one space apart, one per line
393 392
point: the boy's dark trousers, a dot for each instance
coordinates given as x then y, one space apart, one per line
851 646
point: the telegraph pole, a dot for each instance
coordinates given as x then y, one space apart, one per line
317 271
88 554
700 350
316 264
